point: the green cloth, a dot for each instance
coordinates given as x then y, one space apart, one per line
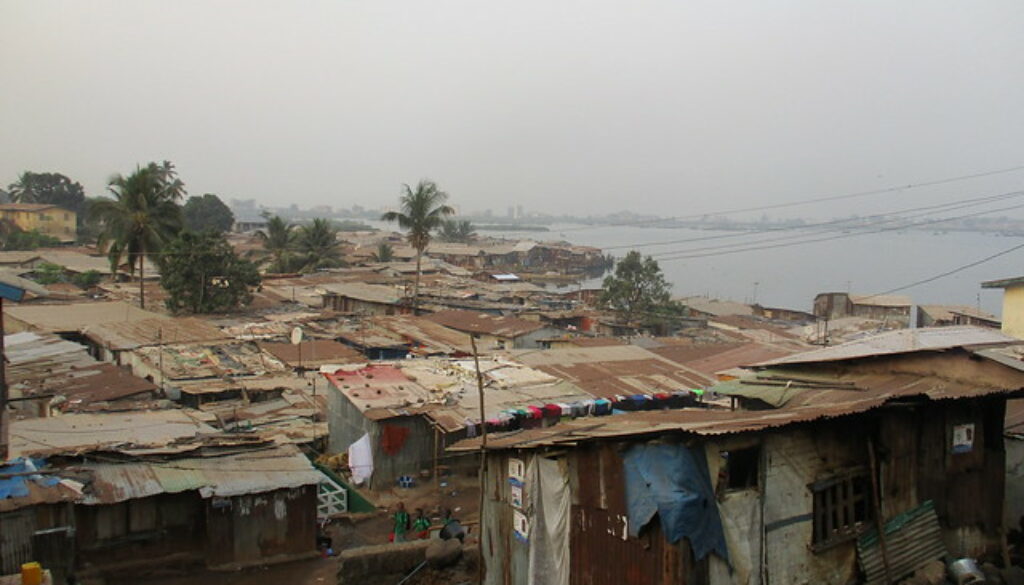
401 522
422 523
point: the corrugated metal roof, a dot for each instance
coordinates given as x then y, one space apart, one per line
474 322
76 316
313 353
882 300
900 341
373 293
428 336
254 472
869 391
124 335
77 433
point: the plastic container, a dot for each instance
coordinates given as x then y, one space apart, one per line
966 571
31 574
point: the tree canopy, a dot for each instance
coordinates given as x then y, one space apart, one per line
278 244
51 188
461 231
317 246
422 212
202 274
141 218
207 213
638 291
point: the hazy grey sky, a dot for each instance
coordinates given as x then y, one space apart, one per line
670 107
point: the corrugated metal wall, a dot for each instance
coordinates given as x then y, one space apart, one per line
16 530
260 526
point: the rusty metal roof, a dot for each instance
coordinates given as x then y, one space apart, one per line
313 353
868 391
427 336
254 472
900 341
474 322
75 316
124 335
79 433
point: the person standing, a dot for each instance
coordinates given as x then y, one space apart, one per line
401 523
421 525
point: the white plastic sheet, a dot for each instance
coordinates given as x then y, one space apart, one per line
547 489
360 459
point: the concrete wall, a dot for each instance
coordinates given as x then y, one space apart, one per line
1013 311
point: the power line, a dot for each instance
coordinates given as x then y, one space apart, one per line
688 254
949 272
853 195
833 223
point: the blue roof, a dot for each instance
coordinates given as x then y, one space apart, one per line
16 486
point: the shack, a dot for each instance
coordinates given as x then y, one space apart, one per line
903 433
495 332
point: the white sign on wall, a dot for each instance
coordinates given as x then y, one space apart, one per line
963 438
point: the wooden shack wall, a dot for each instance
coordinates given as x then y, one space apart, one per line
255 528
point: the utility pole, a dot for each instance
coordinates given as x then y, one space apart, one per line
483 461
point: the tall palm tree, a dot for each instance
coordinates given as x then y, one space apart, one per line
423 211
279 242
141 218
385 253
457 231
317 245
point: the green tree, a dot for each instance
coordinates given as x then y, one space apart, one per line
141 219
207 213
86 280
202 274
49 273
15 239
457 231
638 291
385 253
51 188
317 246
278 244
422 212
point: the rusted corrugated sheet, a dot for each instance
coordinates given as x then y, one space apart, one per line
16 530
911 540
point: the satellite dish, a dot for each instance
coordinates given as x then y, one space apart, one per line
296 336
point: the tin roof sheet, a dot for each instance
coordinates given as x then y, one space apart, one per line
313 353
900 341
124 335
76 316
79 433
474 322
254 472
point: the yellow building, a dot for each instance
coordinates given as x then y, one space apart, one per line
49 220
1013 304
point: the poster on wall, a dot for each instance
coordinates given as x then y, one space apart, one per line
516 470
521 526
963 438
517 496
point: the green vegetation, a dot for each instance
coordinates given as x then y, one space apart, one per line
142 217
317 246
50 188
15 239
639 293
422 212
278 244
48 273
385 253
202 274
207 213
457 231
86 280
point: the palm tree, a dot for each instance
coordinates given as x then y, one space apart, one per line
423 211
21 190
457 231
317 245
278 242
384 253
142 217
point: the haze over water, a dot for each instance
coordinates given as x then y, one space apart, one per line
790 277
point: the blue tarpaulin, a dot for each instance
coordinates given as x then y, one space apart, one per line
672 481
15 486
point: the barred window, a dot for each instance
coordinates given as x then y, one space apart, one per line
842 508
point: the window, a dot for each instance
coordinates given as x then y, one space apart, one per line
740 468
842 508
